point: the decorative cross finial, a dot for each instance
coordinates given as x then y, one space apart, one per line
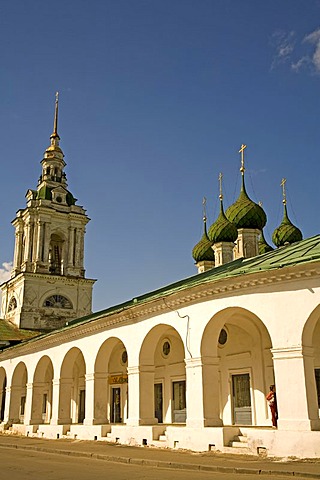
242 149
283 185
204 205
220 186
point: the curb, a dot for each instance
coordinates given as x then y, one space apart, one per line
164 464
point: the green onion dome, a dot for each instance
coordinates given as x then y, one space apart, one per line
286 233
245 213
222 230
263 246
203 251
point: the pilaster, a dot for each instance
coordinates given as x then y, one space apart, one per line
295 387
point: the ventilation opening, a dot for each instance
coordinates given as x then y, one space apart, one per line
144 441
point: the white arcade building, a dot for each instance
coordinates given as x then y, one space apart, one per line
186 366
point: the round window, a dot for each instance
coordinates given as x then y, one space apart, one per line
223 337
166 347
59 199
124 357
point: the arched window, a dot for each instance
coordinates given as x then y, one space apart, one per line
57 301
12 304
55 255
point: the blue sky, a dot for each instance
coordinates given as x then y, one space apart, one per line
156 97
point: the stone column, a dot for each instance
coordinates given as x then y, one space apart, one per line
295 387
203 406
37 403
134 396
89 408
70 246
146 393
28 405
6 416
101 398
39 241
77 247
141 395
18 248
26 258
55 401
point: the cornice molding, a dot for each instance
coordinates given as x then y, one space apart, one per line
166 303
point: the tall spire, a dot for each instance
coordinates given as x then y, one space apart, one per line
55 136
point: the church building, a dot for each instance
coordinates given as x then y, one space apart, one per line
186 366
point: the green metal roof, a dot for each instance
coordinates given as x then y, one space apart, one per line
299 253
9 332
304 252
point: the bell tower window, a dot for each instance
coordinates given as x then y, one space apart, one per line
57 301
55 255
12 304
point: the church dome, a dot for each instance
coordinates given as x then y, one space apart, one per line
263 246
245 213
286 233
202 251
222 230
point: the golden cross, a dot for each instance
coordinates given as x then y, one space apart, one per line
204 204
220 185
242 149
283 185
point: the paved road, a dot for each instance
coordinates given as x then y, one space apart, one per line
24 465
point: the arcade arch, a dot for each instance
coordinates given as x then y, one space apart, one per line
18 394
111 383
72 388
236 357
163 376
41 409
311 356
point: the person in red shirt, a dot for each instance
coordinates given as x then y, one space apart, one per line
272 401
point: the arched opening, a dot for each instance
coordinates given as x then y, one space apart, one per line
237 369
56 254
12 304
18 394
57 301
42 392
163 376
72 388
111 383
3 384
311 357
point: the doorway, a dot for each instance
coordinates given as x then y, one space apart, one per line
116 405
158 401
179 402
82 406
242 412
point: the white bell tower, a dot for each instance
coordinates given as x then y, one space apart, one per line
48 285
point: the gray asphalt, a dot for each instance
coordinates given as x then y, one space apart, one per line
213 462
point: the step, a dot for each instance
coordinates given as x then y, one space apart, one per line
235 444
237 451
